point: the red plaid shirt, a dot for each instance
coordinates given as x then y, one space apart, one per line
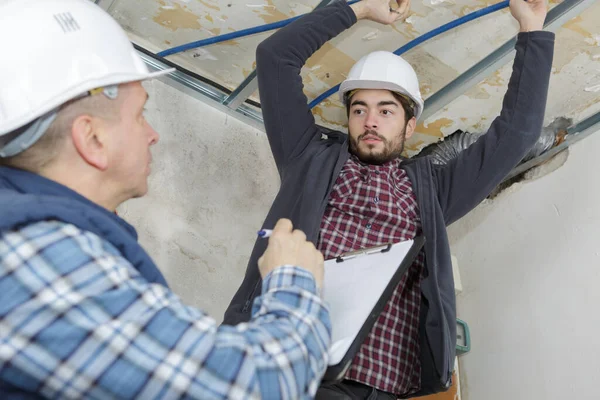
372 205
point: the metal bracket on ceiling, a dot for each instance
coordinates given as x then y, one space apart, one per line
242 92
203 92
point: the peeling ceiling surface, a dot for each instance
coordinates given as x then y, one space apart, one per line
574 91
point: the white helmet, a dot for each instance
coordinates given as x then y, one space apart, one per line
55 51
384 70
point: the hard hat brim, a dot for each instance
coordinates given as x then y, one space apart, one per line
357 84
11 126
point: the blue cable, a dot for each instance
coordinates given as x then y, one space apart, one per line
281 24
423 38
232 35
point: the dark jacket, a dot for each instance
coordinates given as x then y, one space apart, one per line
309 159
27 198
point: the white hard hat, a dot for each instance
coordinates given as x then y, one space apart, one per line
384 70
56 50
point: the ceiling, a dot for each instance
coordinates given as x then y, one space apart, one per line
575 86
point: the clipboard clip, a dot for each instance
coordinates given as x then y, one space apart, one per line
384 248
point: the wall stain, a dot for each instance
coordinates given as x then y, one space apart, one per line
334 64
434 128
495 80
570 37
408 30
574 25
319 111
412 145
271 14
211 6
425 88
177 18
478 93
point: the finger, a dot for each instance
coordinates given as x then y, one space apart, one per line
402 13
284 225
399 17
299 236
310 248
320 258
403 6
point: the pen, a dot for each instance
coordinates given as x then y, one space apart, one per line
265 233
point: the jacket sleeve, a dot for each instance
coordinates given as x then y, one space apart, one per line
468 179
78 321
289 123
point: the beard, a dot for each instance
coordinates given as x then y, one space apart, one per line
369 155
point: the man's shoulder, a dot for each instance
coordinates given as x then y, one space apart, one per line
52 240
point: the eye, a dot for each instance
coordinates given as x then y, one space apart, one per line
386 112
358 112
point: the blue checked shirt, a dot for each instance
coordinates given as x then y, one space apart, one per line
78 321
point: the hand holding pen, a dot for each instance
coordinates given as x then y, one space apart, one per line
290 247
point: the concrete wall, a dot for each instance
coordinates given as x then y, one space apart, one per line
530 270
213 179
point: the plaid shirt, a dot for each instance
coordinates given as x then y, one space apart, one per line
372 205
78 321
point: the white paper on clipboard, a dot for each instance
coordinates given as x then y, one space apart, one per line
352 288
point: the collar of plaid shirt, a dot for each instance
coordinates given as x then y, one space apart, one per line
371 205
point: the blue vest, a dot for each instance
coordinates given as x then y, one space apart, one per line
27 198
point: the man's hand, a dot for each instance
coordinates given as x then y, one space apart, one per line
287 247
380 10
530 14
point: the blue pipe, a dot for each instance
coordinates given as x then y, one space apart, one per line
232 35
423 38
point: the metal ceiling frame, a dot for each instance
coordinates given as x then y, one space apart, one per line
203 92
234 104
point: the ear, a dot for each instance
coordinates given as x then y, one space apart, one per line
410 128
89 141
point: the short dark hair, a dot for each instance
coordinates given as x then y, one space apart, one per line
407 104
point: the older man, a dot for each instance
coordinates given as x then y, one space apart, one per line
84 312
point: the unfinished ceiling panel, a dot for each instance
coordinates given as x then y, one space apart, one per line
575 89
159 25
574 86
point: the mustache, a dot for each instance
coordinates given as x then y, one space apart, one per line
370 133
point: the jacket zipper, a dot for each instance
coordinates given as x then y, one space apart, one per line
248 302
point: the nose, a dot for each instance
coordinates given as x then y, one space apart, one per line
371 121
153 136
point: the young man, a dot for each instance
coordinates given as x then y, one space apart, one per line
84 312
353 191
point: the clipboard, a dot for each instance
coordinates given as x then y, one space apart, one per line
347 282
